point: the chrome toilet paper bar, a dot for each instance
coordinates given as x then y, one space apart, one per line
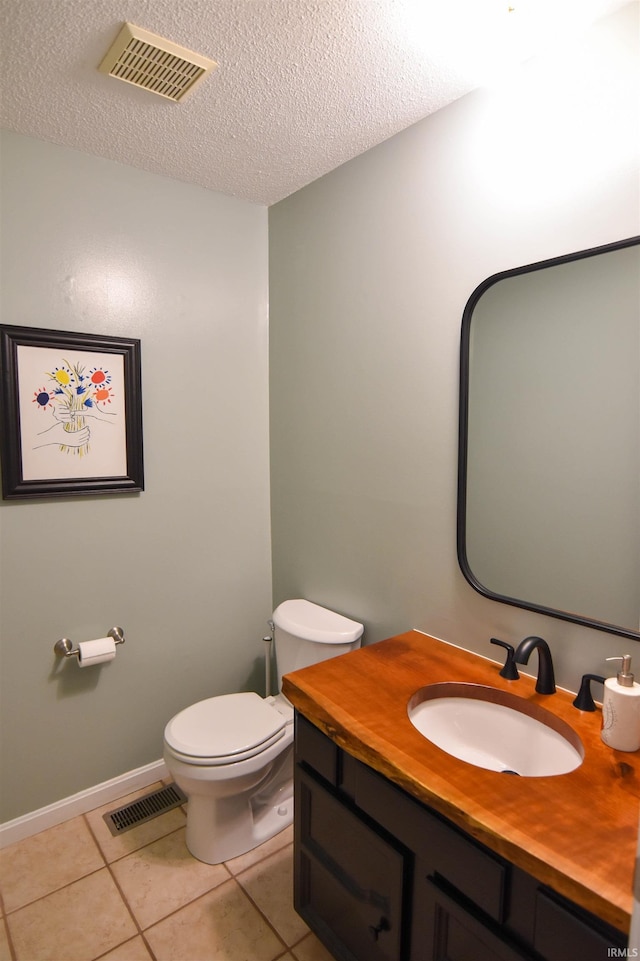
64 647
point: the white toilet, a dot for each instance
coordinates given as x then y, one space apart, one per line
232 755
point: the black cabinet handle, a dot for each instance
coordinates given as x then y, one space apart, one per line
383 925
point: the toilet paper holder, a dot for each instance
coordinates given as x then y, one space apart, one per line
64 647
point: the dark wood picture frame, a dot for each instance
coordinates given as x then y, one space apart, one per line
84 383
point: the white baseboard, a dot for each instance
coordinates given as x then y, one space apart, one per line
81 803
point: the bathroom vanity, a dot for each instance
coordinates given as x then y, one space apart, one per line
405 853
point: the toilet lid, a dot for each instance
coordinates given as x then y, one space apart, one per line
236 726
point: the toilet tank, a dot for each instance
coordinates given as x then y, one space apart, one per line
306 634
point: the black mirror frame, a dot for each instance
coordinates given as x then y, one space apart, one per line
463 425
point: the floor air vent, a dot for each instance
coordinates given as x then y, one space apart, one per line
144 809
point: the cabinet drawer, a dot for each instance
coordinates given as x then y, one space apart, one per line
465 864
560 934
316 750
477 873
349 880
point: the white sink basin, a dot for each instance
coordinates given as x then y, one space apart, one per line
495 730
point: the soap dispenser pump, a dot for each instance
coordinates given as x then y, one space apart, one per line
621 709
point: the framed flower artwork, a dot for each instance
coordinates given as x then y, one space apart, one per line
71 415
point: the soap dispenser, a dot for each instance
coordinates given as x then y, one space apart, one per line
621 709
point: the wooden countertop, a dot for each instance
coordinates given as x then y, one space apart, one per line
576 832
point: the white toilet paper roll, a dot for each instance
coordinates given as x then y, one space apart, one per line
96 652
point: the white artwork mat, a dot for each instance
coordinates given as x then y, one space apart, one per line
72 413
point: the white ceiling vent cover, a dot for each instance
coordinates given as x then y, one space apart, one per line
156 64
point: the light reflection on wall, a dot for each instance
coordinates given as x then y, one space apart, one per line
119 293
482 41
559 125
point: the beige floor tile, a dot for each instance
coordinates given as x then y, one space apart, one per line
310 949
270 885
5 952
221 926
237 865
135 950
79 922
162 877
47 861
117 847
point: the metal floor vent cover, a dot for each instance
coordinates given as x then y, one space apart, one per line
144 809
156 64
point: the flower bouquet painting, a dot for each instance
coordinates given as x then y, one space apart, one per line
71 415
75 396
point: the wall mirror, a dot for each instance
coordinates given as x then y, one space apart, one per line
549 443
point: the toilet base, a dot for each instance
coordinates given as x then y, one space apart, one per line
227 817
226 832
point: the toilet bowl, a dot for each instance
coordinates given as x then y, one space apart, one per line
232 755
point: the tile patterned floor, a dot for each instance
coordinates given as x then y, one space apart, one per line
76 893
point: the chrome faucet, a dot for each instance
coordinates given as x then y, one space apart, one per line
546 682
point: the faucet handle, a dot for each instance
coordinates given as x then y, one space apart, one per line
584 701
510 671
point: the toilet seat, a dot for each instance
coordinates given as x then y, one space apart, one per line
224 729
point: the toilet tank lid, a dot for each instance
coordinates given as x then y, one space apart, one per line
314 623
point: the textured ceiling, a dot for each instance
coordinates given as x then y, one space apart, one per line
301 87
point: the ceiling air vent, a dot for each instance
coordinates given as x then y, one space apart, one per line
156 64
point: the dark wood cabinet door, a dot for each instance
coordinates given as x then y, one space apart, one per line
452 933
561 933
350 881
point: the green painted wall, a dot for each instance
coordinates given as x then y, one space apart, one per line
370 270
92 246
